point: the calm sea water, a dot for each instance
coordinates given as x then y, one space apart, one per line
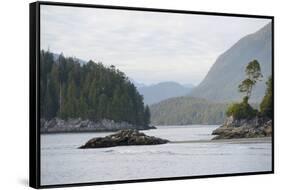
63 163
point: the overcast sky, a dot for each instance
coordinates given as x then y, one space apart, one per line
148 47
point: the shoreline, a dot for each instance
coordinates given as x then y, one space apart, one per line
78 125
235 140
86 131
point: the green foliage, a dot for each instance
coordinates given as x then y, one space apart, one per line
246 86
241 110
187 110
244 110
147 115
253 73
89 91
253 70
266 107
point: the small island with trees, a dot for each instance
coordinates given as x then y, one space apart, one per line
87 97
243 120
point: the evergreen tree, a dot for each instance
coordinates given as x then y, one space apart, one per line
244 110
89 91
146 115
266 106
253 73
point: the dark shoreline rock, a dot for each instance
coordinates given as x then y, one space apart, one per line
244 128
57 125
123 138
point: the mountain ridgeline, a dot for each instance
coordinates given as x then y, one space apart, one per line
222 80
69 89
207 103
164 90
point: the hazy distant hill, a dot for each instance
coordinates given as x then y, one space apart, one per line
187 110
161 91
188 85
137 84
223 78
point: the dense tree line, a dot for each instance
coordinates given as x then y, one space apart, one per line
187 110
92 91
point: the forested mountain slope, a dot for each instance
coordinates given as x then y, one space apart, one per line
187 110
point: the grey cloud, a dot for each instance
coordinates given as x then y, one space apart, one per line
149 47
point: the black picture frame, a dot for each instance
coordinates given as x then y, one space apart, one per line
34 92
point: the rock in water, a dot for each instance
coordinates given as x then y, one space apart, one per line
123 138
244 128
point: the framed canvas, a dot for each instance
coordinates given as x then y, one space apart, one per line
127 94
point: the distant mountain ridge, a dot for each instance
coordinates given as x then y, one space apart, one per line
221 82
161 91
